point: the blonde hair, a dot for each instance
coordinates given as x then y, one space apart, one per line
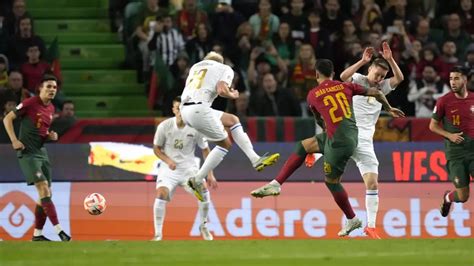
215 57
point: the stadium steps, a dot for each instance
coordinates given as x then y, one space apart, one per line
90 57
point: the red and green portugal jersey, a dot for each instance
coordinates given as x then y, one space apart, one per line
36 119
457 115
333 100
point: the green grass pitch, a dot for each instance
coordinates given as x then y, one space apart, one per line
432 252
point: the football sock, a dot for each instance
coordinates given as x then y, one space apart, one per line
452 196
40 219
295 160
204 207
37 232
341 198
243 141
50 210
372 206
212 161
58 228
159 210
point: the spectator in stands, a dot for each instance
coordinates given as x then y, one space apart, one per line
333 18
3 71
448 58
423 32
65 120
244 45
455 33
15 87
7 104
429 56
3 33
284 44
12 19
297 21
19 43
345 38
318 36
200 44
469 60
467 16
241 107
368 14
302 77
264 22
180 71
188 19
397 38
34 69
146 27
470 83
258 67
397 9
275 101
224 24
167 41
424 92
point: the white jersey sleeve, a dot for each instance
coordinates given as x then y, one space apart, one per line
228 75
160 134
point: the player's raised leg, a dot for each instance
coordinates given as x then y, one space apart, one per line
295 160
243 141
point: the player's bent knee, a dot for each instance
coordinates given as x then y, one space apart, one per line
162 193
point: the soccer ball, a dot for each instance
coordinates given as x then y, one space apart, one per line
94 204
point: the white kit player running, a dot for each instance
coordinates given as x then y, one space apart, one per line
207 79
174 143
367 111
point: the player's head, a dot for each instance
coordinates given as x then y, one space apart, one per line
214 57
175 108
48 87
377 70
458 79
324 68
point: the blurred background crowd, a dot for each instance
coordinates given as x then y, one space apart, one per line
271 45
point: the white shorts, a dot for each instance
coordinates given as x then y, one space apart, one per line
173 178
205 120
364 157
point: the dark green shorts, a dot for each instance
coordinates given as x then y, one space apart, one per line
35 169
336 154
459 171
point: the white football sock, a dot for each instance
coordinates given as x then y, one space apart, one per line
58 228
214 158
372 206
204 207
159 210
244 143
37 232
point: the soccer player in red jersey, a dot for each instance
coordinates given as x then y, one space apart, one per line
331 100
453 118
36 114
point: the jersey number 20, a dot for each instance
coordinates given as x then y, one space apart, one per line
196 80
340 101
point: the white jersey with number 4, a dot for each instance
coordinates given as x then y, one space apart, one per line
367 109
202 80
179 143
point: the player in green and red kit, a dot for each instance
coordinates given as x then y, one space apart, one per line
332 100
36 114
455 111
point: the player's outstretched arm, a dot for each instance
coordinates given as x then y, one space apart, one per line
397 73
453 137
346 75
380 97
160 154
225 91
8 123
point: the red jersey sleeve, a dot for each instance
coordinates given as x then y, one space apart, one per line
439 110
357 89
22 108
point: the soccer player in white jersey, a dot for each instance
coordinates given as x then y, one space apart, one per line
206 80
174 144
367 111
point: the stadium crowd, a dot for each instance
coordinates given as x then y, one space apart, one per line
271 45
